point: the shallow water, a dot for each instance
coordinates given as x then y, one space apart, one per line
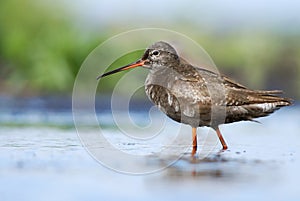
43 159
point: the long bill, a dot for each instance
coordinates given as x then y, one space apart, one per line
129 66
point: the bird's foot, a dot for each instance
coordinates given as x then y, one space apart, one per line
194 150
225 147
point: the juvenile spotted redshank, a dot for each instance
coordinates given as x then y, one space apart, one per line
199 97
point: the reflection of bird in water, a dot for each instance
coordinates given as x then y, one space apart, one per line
199 97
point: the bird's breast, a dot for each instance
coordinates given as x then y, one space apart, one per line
177 98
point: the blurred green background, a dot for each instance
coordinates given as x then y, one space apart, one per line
43 43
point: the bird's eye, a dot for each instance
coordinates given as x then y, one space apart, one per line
155 53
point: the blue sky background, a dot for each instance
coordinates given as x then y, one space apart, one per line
214 14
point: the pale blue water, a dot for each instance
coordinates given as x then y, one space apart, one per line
43 159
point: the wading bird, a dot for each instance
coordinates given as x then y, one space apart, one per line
199 97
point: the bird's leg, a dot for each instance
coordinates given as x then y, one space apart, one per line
221 138
194 136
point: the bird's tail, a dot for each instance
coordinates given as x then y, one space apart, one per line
273 97
266 102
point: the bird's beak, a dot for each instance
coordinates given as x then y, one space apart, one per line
138 63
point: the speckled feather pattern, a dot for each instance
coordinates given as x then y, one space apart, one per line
200 97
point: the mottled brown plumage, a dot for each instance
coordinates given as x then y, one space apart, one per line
199 97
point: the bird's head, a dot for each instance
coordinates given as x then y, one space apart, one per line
158 55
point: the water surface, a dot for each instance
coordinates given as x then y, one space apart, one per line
42 158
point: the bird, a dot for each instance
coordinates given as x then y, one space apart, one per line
197 96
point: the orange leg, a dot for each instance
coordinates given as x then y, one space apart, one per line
194 136
221 139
